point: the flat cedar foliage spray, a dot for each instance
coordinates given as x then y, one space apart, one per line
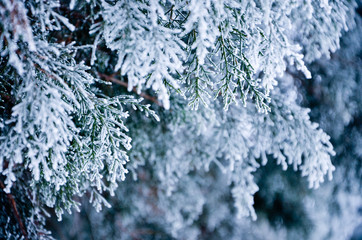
180 119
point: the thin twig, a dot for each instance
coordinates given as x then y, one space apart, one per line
110 78
15 210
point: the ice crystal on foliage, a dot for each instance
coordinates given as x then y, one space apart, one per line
66 134
130 32
43 130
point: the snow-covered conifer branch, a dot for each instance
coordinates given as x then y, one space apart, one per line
67 132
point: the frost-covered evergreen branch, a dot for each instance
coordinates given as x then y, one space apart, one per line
66 134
